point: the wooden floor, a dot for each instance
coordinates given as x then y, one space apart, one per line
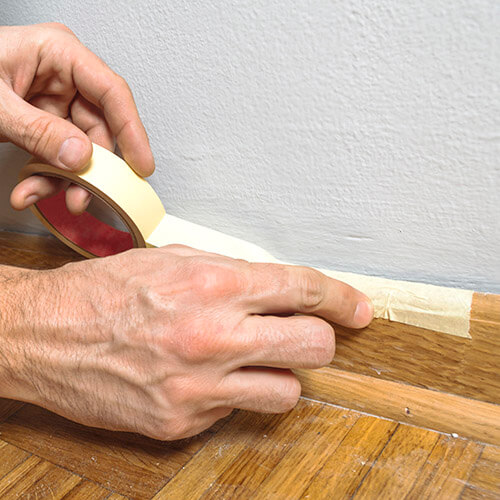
318 450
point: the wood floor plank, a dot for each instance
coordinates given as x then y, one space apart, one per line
471 493
129 464
485 476
10 457
398 466
447 469
293 473
87 490
309 425
37 478
222 452
351 461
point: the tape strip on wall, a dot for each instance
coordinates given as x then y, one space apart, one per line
111 180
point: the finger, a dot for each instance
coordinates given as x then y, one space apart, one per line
44 135
264 390
293 342
89 118
77 199
55 104
33 189
280 288
101 86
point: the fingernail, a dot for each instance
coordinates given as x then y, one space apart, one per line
363 313
30 200
72 152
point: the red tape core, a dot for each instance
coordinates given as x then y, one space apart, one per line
85 231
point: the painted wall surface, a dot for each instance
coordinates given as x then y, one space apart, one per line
361 136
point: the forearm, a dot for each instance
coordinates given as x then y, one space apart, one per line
14 289
25 297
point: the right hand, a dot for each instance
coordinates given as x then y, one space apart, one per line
166 341
56 98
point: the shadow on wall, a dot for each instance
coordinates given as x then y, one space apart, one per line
11 161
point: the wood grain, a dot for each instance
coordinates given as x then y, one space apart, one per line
399 464
223 450
446 470
315 451
404 403
121 462
10 457
242 462
275 449
350 462
296 469
484 480
36 478
87 490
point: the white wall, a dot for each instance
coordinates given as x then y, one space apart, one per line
355 135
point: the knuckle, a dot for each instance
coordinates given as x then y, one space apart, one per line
198 342
38 135
177 248
59 26
311 289
215 281
121 84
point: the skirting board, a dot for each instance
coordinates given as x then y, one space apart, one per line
404 403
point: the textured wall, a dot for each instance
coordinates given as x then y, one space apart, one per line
355 135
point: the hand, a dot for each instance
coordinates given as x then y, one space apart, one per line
166 341
56 97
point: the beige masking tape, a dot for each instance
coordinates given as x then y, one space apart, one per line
111 180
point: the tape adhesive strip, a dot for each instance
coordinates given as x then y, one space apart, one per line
112 181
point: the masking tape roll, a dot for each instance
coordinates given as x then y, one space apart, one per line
112 181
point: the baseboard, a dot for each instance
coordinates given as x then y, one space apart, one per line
404 403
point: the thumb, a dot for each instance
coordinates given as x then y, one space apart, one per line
44 135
